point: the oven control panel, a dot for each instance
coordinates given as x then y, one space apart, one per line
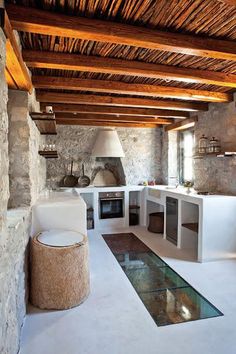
111 195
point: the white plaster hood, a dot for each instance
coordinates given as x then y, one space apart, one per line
107 144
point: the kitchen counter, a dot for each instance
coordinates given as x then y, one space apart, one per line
213 230
212 217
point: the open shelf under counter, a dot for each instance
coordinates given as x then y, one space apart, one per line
193 226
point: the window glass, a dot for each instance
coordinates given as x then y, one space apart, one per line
186 145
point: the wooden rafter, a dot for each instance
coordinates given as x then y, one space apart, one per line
66 61
105 124
105 110
229 2
127 119
183 124
56 97
37 21
65 83
16 73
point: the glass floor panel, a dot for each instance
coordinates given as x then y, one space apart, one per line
166 295
144 280
177 305
139 260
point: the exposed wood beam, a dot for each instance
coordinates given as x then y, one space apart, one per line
56 97
229 2
17 75
183 124
65 83
10 81
66 61
95 117
28 19
105 124
105 110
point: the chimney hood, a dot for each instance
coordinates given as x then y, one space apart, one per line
107 144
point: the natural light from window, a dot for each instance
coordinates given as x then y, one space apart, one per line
187 155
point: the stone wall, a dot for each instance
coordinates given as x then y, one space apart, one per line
13 280
19 159
27 169
212 173
4 190
142 149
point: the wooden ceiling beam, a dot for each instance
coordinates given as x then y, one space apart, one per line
228 2
76 84
16 73
183 124
56 97
105 124
95 117
74 62
105 110
28 19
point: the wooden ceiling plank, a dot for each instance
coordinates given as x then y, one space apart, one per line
14 61
105 124
66 61
104 110
10 81
130 119
28 19
104 86
56 97
183 124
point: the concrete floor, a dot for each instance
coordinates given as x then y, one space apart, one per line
113 320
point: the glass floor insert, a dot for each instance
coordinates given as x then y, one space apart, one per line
166 295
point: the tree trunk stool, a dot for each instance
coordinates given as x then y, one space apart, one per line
59 269
156 222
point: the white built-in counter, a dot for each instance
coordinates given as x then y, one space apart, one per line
204 223
213 215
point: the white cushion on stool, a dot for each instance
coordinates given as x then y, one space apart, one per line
60 238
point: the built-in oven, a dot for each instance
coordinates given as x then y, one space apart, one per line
111 205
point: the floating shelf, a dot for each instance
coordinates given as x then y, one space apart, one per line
48 154
191 226
215 154
45 122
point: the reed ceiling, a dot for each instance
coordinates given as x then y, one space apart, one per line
205 18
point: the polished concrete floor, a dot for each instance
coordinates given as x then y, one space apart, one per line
113 320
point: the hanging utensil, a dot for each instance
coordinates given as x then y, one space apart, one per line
83 181
70 180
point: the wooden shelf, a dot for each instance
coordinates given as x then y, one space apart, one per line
48 154
133 207
45 122
215 154
191 226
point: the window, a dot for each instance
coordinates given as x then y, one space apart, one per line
186 147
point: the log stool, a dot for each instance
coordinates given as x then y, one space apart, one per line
156 222
59 269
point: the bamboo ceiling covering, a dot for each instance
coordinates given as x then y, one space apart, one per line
204 18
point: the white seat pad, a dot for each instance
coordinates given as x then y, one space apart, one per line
60 238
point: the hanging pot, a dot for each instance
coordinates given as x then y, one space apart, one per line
70 180
83 181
